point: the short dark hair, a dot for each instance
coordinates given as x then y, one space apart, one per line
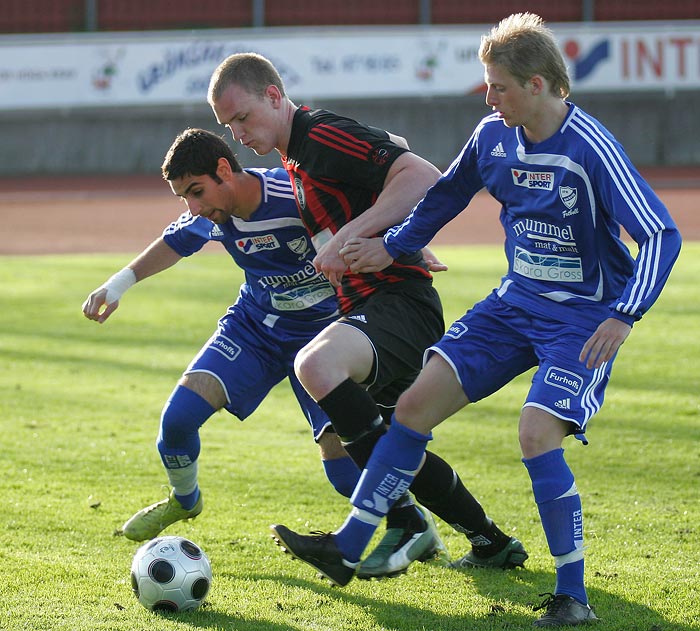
197 152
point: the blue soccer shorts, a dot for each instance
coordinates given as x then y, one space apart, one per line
493 343
249 354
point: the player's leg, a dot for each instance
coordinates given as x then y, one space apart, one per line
437 486
332 368
399 455
559 505
196 397
464 367
235 369
563 397
392 465
340 468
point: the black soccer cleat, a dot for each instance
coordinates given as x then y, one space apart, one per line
563 610
318 550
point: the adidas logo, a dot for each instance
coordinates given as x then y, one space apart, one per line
563 404
216 232
361 318
498 151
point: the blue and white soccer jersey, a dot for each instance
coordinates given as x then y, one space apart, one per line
562 204
282 305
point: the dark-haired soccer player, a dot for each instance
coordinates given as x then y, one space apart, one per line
283 304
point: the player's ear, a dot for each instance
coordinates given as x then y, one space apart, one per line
537 84
273 93
223 169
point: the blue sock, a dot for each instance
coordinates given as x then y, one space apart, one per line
343 474
559 505
389 472
178 441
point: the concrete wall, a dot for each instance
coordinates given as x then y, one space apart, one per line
656 130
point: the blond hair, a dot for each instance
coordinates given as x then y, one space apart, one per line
525 47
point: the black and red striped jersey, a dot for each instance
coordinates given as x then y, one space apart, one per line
338 167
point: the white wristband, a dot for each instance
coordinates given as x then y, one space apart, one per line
118 284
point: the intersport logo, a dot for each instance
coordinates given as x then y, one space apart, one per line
543 180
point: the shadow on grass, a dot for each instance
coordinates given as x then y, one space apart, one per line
501 613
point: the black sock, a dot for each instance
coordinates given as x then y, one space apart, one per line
355 418
438 487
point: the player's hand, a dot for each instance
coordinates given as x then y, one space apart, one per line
434 263
96 307
364 256
604 343
329 261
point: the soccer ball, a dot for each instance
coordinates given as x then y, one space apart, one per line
170 574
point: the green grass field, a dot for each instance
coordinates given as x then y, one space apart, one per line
79 411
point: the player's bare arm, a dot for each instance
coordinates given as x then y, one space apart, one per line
104 300
604 343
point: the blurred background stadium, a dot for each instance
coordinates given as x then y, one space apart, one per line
102 86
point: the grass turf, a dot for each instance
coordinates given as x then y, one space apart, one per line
79 410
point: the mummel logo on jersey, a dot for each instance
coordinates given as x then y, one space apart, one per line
249 245
564 379
542 180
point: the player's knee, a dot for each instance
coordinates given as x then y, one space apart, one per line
317 370
411 408
182 416
309 366
539 432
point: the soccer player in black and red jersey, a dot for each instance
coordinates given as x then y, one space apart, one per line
352 180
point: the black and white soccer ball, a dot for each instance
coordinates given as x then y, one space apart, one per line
170 574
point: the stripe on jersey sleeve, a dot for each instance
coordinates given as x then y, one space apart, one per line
340 140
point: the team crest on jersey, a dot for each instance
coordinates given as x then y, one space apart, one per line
299 192
249 245
542 180
568 196
380 156
300 247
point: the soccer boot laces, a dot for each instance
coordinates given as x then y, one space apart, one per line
319 550
563 610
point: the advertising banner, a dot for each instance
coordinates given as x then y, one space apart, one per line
161 68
